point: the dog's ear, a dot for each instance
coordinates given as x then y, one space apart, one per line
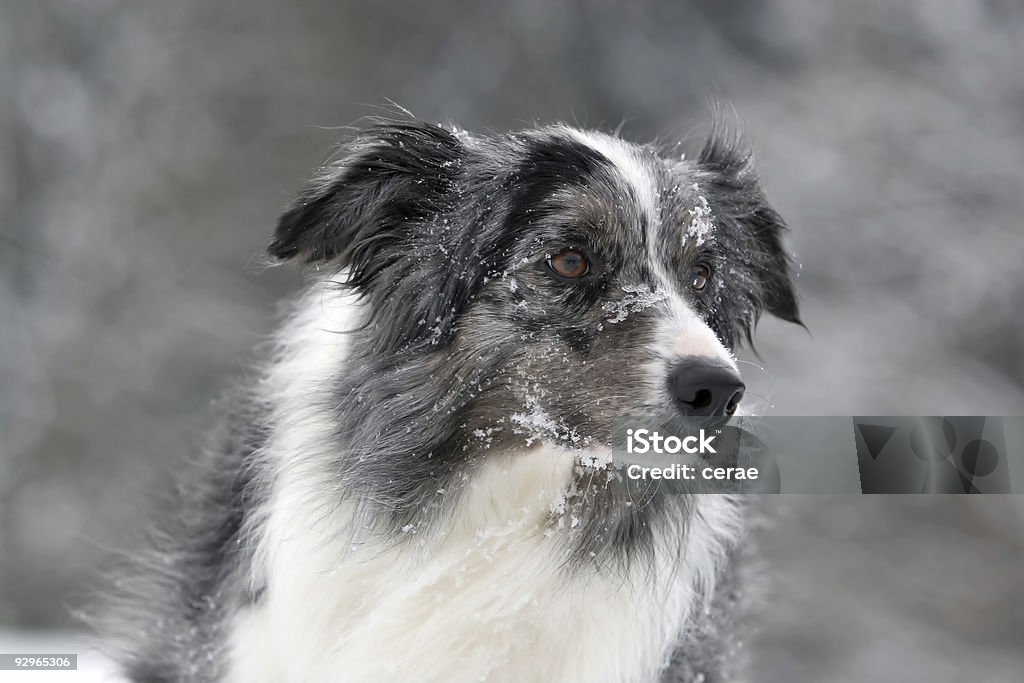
358 211
778 293
737 196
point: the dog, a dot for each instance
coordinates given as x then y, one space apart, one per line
411 489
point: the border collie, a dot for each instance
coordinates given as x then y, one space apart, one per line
413 488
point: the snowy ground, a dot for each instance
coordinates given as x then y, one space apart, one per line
92 668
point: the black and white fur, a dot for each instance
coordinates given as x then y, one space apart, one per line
412 489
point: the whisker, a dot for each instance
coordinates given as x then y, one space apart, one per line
759 367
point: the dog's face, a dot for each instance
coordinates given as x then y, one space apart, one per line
543 282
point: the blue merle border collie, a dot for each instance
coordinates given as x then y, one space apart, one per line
414 487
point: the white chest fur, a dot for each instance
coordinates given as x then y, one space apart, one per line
486 601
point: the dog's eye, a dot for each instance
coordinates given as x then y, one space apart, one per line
569 263
699 277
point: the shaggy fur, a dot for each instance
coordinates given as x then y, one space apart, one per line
416 488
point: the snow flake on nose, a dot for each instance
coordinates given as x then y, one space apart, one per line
701 226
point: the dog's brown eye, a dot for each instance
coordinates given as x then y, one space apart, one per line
569 264
699 277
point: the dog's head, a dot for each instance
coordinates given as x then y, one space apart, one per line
545 281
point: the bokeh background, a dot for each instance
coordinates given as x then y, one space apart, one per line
146 148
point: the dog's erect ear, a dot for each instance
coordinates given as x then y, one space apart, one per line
738 196
358 211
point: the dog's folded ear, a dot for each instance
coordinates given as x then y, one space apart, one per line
358 210
737 196
778 293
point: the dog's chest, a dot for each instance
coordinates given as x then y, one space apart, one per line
489 600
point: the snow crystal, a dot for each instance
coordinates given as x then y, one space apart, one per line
638 297
461 134
485 435
539 425
558 505
701 228
598 460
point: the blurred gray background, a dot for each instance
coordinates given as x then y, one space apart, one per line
147 147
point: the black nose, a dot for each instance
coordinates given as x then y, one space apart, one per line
704 388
